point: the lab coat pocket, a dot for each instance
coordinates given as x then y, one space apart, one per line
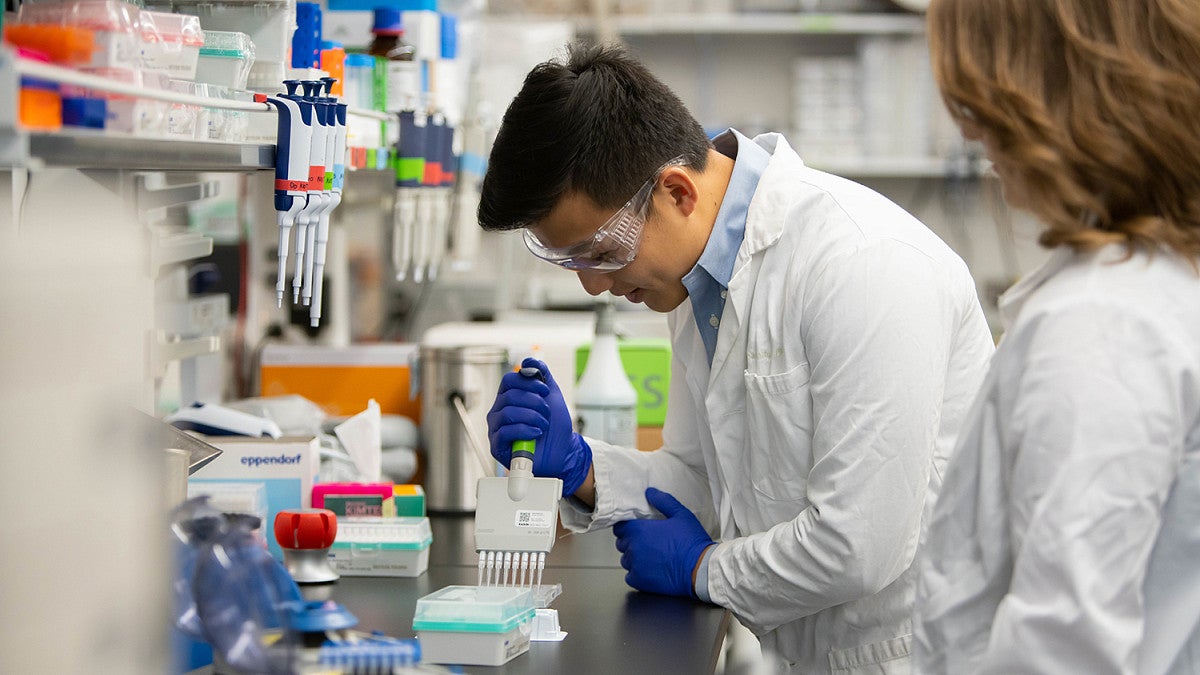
779 437
886 657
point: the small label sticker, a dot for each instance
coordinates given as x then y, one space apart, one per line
534 519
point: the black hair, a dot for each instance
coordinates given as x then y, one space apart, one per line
599 123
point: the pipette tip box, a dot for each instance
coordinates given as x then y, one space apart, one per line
474 625
381 547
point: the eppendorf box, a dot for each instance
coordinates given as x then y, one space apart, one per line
287 467
381 547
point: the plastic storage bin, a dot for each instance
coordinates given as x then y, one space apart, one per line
225 59
170 43
382 547
114 25
269 23
474 625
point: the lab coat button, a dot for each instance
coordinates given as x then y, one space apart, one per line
713 320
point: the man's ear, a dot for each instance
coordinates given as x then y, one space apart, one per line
683 192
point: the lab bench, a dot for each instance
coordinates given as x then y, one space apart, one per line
610 627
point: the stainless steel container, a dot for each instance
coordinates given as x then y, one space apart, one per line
458 387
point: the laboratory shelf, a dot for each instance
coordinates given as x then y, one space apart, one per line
762 23
84 149
888 167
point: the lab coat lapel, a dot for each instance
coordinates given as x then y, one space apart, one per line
764 226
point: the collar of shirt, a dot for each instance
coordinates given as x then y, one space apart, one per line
1011 301
707 282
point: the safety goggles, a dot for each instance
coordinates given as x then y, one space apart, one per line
615 244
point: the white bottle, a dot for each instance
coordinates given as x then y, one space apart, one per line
605 401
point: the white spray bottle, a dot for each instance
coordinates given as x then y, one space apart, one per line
605 401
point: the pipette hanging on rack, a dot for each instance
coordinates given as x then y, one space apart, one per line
291 172
334 180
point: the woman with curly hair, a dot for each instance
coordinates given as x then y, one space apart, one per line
1067 535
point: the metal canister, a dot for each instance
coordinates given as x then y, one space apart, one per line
458 387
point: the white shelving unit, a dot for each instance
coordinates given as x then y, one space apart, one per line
761 23
736 69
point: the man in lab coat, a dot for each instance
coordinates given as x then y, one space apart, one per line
826 346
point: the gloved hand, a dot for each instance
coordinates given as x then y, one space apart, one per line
528 408
660 555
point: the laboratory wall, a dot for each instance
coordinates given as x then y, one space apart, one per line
901 144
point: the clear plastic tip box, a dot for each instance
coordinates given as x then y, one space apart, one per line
381 547
474 625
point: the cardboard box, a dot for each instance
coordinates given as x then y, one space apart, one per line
287 467
648 364
342 379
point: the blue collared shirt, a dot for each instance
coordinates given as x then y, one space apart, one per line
708 282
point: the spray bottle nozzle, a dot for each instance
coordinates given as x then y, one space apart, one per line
291 86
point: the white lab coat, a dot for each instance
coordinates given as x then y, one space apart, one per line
850 347
1067 536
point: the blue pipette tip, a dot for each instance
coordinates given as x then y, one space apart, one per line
291 86
328 84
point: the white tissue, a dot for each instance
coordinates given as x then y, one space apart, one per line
359 435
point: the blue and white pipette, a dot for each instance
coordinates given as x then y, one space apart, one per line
291 174
334 179
328 108
306 221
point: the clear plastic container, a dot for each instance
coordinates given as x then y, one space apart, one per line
245 498
474 625
225 59
170 43
382 547
181 123
269 23
115 26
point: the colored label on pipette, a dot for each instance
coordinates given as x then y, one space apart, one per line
410 170
316 178
288 185
538 519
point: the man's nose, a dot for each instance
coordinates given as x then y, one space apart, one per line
594 283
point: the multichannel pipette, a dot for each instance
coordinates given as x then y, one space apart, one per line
515 519
333 181
291 172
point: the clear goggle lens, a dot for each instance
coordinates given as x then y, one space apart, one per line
615 243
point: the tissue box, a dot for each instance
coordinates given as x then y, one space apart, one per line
287 467
350 499
381 547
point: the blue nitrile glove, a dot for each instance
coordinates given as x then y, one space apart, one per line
660 555
528 408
